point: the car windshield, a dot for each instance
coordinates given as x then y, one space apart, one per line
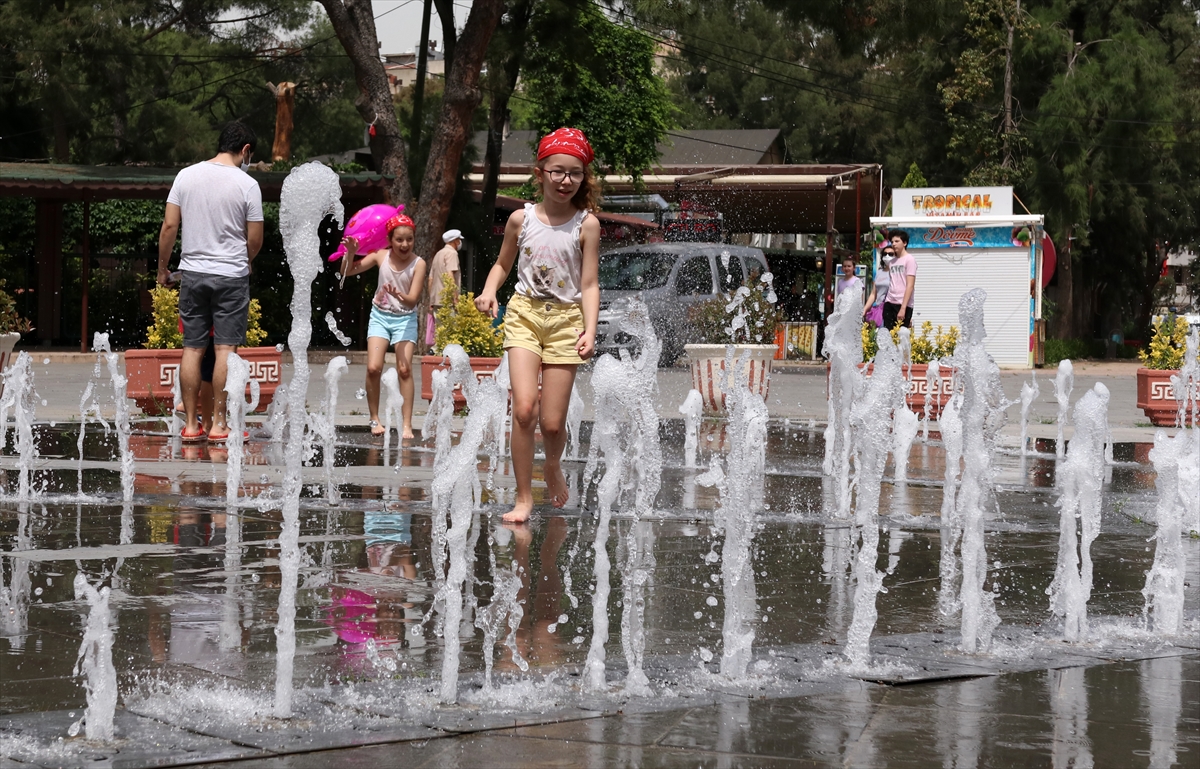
635 272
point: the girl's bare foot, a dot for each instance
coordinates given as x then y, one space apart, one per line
408 433
520 512
376 428
556 484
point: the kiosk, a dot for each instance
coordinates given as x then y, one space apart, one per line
965 238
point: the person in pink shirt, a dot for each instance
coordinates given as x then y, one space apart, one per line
902 276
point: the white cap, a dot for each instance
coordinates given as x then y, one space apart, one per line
449 236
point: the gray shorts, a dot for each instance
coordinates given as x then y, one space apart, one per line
216 302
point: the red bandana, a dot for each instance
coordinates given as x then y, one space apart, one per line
566 141
399 220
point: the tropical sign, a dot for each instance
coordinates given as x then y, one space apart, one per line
952 201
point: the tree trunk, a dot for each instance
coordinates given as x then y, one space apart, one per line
354 24
1009 125
459 101
503 84
445 9
285 106
1066 290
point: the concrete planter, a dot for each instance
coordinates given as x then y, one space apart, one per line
151 375
483 367
708 366
1156 397
918 386
8 341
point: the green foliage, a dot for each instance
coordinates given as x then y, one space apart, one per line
745 316
1168 344
926 345
1072 349
164 333
607 87
463 324
914 178
10 319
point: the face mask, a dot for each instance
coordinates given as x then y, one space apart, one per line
245 166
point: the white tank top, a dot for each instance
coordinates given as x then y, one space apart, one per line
550 259
401 280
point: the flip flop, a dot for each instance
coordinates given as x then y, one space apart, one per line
198 437
225 437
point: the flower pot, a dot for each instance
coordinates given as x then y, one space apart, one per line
708 365
918 385
7 342
1156 397
151 376
483 367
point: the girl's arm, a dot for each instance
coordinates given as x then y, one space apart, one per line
589 240
351 267
486 301
870 300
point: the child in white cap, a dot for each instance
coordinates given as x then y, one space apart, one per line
445 262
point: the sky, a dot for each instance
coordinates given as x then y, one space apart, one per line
398 23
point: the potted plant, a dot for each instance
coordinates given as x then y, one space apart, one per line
927 345
463 324
1160 362
12 325
745 319
152 372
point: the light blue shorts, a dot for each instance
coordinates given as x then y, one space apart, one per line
392 327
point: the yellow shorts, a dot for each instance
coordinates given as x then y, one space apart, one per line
549 329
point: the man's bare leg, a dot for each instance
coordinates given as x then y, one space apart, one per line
189 386
557 381
524 367
220 430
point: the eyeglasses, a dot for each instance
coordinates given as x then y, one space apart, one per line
557 176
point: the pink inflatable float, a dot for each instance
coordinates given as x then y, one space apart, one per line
369 228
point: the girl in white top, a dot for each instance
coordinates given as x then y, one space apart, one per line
550 323
393 320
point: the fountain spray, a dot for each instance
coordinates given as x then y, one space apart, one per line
310 193
121 418
95 662
327 424
392 409
574 419
933 385
1164 590
456 493
1080 498
1064 382
18 398
950 425
1029 393
883 392
843 347
691 409
982 415
625 433
237 379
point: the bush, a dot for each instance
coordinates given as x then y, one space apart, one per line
1168 344
463 324
1072 349
714 321
164 333
927 344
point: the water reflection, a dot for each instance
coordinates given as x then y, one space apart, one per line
1162 705
15 591
1069 706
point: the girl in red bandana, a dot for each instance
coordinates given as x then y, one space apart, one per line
393 320
550 322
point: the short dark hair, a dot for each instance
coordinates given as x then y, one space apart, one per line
236 135
898 234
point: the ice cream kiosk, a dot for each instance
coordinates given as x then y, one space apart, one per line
968 237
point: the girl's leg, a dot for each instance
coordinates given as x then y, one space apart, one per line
404 357
524 367
376 350
557 381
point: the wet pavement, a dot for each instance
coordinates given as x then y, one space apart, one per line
196 585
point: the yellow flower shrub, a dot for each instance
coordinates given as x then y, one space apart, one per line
164 333
463 324
1167 345
927 345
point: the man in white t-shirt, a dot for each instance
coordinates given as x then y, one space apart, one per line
445 262
902 274
220 208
